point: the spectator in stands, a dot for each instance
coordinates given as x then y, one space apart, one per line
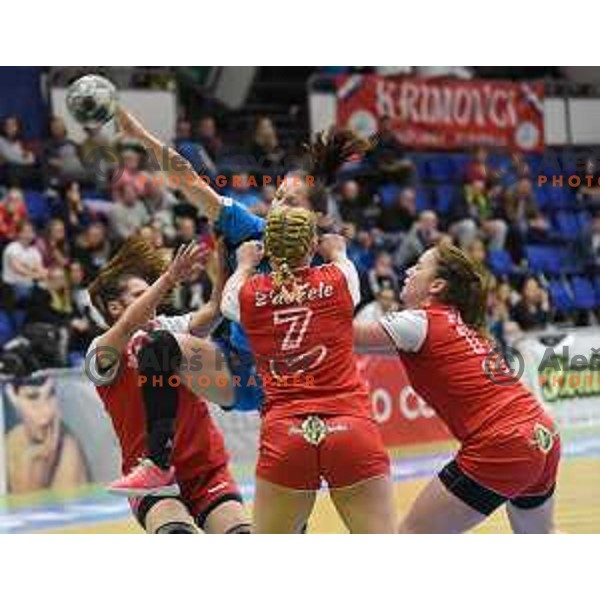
95 138
183 132
351 202
54 245
590 195
422 235
22 263
478 169
72 210
153 233
594 241
208 136
50 302
61 154
242 191
380 276
53 303
186 231
526 222
388 155
399 216
130 179
13 212
473 212
385 302
92 248
128 214
533 310
98 155
265 148
160 202
12 148
77 282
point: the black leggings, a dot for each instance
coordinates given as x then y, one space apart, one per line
159 359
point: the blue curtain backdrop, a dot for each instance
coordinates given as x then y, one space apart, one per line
21 95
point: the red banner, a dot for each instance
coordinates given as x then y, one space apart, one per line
403 416
445 114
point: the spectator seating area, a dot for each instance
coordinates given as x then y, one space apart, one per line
549 231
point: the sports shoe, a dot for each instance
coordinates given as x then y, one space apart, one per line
146 480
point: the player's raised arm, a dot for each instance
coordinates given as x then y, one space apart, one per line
178 169
332 247
249 256
143 309
207 318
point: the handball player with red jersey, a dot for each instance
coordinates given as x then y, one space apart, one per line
510 449
316 418
139 366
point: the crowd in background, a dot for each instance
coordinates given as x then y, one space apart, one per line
84 211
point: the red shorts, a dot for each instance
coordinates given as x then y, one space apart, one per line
297 452
515 463
200 495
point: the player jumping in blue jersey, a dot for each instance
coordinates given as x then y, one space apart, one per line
236 224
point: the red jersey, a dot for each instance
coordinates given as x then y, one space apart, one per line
198 445
304 349
447 365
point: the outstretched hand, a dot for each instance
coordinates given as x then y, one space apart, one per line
185 261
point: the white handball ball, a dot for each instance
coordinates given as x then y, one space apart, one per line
92 100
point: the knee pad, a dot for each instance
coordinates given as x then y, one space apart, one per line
240 528
177 527
160 355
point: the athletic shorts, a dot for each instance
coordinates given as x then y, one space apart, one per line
200 495
298 452
519 466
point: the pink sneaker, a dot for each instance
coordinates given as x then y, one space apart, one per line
146 480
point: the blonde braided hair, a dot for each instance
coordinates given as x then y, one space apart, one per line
289 237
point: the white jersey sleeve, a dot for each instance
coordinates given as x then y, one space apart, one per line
95 374
230 301
177 324
346 266
407 328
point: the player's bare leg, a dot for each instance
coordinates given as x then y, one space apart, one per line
212 380
368 506
532 520
436 510
228 517
279 509
169 516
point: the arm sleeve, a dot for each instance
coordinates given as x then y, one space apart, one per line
178 324
230 302
237 224
346 266
407 329
99 376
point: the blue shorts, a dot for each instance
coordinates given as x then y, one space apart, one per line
247 384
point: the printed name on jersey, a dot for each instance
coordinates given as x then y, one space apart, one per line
283 296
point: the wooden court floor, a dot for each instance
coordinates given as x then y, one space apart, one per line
578 505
